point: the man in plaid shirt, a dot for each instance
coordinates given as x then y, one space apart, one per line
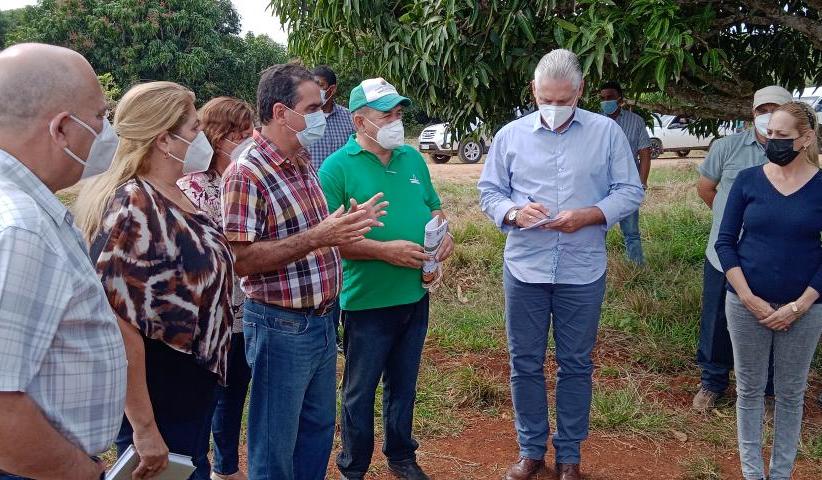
285 243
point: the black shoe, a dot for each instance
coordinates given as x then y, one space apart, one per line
409 471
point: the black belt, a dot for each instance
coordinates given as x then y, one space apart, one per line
313 311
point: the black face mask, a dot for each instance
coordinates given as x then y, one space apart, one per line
780 151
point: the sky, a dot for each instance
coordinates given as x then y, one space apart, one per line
255 17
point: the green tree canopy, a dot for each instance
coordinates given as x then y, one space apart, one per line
192 42
463 59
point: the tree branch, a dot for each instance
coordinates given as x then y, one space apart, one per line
810 28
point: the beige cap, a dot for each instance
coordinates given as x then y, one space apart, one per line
772 94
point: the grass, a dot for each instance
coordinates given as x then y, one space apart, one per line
701 468
627 410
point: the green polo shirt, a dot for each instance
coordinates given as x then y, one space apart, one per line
352 172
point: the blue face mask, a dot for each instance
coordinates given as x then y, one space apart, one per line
609 106
314 128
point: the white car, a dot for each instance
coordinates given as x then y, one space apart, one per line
813 97
439 144
670 134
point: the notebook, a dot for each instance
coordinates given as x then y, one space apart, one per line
179 467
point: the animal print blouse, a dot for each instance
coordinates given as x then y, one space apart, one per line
168 272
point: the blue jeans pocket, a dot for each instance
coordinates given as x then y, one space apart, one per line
250 334
278 324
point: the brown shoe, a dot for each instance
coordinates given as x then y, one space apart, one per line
525 469
705 400
568 471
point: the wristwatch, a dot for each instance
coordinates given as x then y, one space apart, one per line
794 307
512 216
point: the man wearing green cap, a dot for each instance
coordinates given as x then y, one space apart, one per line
385 307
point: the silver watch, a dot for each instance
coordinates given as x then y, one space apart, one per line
512 216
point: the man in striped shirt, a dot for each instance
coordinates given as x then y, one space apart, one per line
634 128
285 243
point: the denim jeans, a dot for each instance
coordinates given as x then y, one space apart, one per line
387 343
715 353
574 310
292 408
793 351
228 411
182 396
633 243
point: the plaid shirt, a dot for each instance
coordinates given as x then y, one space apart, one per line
338 127
266 197
59 340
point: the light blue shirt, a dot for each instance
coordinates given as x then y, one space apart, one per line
727 157
588 164
59 339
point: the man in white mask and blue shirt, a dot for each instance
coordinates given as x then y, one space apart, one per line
385 307
62 359
555 181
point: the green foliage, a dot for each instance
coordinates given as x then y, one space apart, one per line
461 60
111 90
192 42
9 19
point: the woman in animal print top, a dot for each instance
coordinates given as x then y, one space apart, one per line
167 270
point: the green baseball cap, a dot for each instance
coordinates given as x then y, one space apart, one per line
376 93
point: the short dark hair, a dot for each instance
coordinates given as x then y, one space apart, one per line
325 72
612 86
278 84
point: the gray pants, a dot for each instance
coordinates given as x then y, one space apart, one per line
793 351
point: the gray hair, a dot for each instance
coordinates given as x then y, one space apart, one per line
559 64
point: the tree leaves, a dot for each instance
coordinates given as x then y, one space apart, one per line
192 42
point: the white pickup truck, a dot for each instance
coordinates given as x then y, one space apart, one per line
670 134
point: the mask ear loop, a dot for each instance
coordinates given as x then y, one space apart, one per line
366 133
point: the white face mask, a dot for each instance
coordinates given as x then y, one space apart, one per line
241 148
198 156
236 151
314 128
761 123
556 115
389 136
102 149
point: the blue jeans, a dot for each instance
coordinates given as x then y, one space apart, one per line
633 243
574 310
793 352
182 396
293 359
228 411
715 353
387 343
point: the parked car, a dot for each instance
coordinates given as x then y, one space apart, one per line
439 143
670 134
813 97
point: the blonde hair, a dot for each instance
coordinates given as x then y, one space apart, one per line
806 122
222 116
145 111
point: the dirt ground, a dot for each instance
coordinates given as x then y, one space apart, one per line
487 445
